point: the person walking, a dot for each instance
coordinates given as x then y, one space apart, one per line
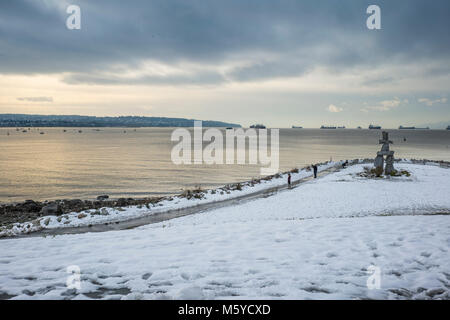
289 180
315 170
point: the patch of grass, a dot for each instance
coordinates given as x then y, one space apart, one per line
379 173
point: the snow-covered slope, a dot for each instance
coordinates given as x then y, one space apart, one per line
315 241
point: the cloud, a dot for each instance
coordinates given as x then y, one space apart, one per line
195 78
334 109
36 99
385 105
253 40
430 102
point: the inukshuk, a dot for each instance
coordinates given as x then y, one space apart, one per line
385 152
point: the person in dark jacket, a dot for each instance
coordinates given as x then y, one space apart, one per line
315 170
289 180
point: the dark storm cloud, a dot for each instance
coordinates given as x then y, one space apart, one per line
276 38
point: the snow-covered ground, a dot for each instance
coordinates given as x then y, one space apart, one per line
315 241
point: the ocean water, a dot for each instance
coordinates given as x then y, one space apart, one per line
137 162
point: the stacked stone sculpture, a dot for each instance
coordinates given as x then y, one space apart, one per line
385 152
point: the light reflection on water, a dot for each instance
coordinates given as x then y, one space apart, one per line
58 165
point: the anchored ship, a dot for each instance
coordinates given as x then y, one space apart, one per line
412 128
258 126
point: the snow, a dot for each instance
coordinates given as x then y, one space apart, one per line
315 241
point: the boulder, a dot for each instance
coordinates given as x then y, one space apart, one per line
28 206
103 197
52 209
122 202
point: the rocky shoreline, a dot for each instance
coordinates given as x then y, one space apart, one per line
29 210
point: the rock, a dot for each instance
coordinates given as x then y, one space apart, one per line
82 215
28 206
122 202
103 197
74 203
52 209
97 204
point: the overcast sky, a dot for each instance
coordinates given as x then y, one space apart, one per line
279 62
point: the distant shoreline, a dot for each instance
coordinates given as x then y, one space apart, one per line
77 121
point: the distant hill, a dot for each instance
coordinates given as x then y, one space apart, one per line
27 120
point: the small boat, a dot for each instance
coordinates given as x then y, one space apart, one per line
80 131
448 128
297 127
42 132
328 127
359 127
229 128
374 127
343 127
24 131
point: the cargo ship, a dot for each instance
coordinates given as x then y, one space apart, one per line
412 128
258 126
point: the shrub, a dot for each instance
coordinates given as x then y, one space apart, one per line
377 171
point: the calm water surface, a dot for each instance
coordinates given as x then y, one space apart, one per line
59 164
